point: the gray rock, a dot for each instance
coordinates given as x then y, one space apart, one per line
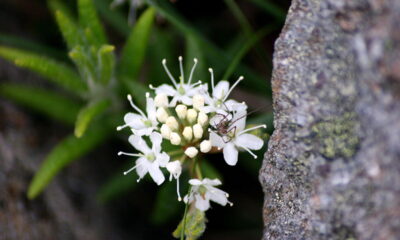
332 169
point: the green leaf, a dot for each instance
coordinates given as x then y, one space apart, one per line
83 62
54 71
194 226
106 63
89 20
63 154
137 90
251 41
193 50
167 205
134 51
70 30
209 171
87 114
43 101
271 9
114 18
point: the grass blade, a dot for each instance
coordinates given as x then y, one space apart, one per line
114 18
54 71
43 101
87 114
134 51
63 154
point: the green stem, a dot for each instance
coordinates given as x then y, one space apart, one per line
198 170
184 216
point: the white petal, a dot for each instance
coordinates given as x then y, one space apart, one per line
144 131
214 182
249 141
216 140
156 173
151 109
138 143
162 159
201 203
142 166
230 154
195 182
166 89
221 89
134 120
156 140
185 99
217 196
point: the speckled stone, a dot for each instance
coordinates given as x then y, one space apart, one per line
332 169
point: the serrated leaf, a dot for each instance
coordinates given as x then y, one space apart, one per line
135 48
194 226
63 154
89 20
106 62
54 71
43 101
69 29
87 114
167 205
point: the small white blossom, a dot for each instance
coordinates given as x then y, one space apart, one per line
181 111
161 114
165 131
187 133
202 118
197 131
161 100
175 170
175 138
150 159
237 139
205 146
198 101
191 152
141 124
203 191
191 115
172 123
181 91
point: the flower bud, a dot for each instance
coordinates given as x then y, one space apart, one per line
187 133
175 138
174 168
161 115
191 115
202 119
172 123
197 131
205 146
161 100
181 111
198 101
165 131
191 152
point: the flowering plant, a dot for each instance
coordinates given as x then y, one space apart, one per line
182 122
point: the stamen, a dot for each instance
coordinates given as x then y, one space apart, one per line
233 86
177 190
252 128
164 62
249 151
119 128
151 87
191 72
181 69
126 172
147 94
212 78
195 84
135 107
130 154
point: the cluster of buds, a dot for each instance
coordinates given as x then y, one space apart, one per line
191 121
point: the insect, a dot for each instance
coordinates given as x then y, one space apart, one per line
225 127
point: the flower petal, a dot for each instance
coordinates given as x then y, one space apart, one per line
221 89
138 143
162 159
156 140
151 110
230 154
134 120
166 89
185 99
217 196
216 140
142 166
201 203
156 173
249 141
195 182
213 182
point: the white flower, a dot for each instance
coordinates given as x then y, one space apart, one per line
165 131
191 152
175 138
181 91
197 131
191 115
161 115
172 123
175 170
236 138
161 100
202 118
181 111
205 146
150 159
198 101
220 93
141 124
204 191
187 133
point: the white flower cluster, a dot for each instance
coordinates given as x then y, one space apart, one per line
195 122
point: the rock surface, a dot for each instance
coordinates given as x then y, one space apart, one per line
332 169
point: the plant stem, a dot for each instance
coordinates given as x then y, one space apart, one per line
184 216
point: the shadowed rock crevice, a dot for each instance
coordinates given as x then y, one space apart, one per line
332 169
